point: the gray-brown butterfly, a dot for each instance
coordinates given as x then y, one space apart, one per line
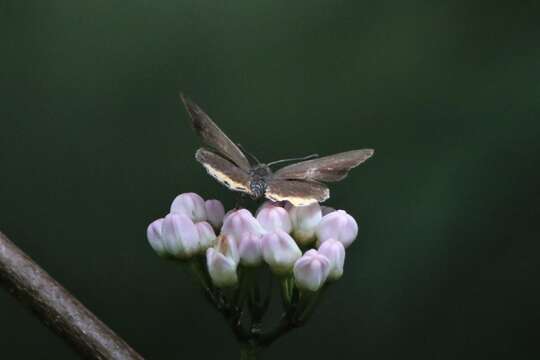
300 183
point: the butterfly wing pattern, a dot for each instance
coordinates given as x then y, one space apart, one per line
298 193
299 183
212 136
224 171
327 169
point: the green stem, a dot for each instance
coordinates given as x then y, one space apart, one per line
245 281
309 302
198 267
287 286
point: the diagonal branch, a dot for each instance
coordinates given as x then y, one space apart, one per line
57 308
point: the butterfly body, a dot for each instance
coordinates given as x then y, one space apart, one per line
259 175
300 183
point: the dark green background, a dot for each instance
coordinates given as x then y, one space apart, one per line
94 144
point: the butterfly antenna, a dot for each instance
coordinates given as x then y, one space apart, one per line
312 156
250 154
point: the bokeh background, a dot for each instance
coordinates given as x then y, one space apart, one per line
94 144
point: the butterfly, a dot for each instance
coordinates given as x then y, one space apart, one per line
300 183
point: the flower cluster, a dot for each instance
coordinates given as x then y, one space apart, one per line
232 253
306 243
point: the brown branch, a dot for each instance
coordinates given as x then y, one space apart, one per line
57 308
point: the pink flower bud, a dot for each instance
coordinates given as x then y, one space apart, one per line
280 251
335 252
311 271
222 269
191 205
226 245
268 203
249 248
229 213
153 233
264 205
240 222
273 218
337 225
305 220
215 213
180 236
207 236
222 261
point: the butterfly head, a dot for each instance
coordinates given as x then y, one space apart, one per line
260 170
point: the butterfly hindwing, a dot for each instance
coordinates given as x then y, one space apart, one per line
327 169
224 171
213 137
298 193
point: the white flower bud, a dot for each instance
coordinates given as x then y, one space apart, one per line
263 205
222 269
240 222
249 248
311 271
155 238
191 205
267 203
207 236
280 251
335 252
180 236
215 213
227 246
222 262
305 220
337 225
273 218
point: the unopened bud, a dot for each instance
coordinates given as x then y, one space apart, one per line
191 205
337 225
215 213
311 271
335 252
280 251
181 238
273 218
305 220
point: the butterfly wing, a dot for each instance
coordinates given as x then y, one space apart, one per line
328 169
298 193
224 171
212 136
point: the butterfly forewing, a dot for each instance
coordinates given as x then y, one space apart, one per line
224 171
298 193
212 136
328 169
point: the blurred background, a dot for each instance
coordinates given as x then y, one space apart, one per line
95 144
